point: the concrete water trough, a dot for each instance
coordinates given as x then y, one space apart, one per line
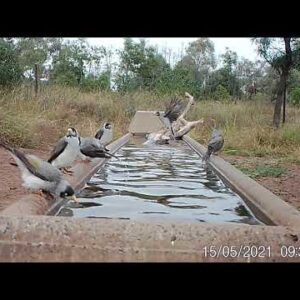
30 229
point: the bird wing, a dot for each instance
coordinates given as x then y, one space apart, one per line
216 143
174 109
31 164
58 149
92 150
99 134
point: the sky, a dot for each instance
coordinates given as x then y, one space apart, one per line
243 46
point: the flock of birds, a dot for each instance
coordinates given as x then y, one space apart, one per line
47 176
40 175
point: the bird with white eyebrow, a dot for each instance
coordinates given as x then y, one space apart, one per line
66 150
39 175
105 134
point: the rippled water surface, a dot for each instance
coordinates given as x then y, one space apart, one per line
162 183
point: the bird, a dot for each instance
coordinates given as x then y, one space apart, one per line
105 134
66 150
38 174
173 110
91 147
161 137
215 144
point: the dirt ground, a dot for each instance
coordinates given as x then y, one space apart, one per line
286 186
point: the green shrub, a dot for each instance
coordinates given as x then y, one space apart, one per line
295 96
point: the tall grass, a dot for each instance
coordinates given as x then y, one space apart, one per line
29 121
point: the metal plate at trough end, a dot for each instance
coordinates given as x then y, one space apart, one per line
145 122
264 204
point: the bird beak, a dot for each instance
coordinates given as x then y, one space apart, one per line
73 198
69 132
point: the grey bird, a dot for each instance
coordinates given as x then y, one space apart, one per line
215 144
38 174
92 148
66 150
174 109
105 134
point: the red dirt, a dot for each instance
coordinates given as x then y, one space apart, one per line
287 186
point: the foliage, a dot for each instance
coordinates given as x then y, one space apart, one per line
10 72
295 96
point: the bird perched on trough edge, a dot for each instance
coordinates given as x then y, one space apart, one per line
92 148
66 150
38 174
215 144
105 134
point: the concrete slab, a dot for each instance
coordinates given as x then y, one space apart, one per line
57 239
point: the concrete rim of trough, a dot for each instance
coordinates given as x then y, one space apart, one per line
45 238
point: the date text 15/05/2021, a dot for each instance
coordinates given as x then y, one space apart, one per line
248 251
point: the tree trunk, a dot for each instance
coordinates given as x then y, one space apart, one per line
279 99
284 105
285 69
36 79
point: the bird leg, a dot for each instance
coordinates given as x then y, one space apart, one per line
66 171
39 193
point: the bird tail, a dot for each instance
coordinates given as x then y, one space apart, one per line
173 109
207 155
109 155
7 147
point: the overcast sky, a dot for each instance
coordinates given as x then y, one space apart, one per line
243 46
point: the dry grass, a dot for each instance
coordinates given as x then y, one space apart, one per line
27 121
247 129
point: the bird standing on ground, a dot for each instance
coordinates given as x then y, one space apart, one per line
215 144
66 150
105 134
38 174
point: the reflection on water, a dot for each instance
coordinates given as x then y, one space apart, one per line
162 183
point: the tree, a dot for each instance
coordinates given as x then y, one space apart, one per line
282 55
229 72
200 60
141 66
39 51
70 65
10 72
